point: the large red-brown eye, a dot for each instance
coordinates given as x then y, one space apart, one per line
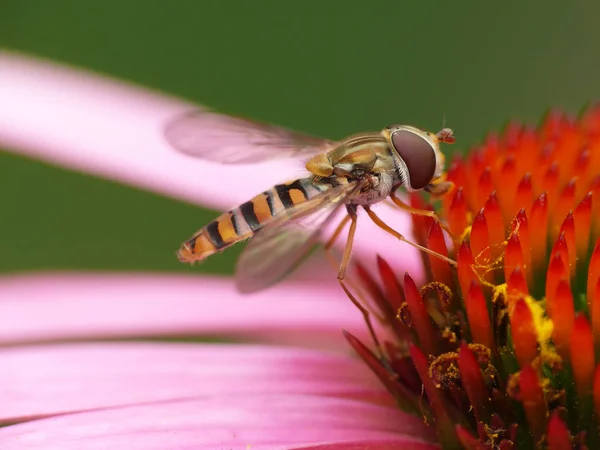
419 156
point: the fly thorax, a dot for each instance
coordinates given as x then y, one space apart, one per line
377 187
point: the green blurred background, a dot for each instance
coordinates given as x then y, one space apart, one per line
329 67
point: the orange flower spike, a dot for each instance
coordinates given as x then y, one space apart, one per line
551 186
428 340
516 284
582 355
567 230
457 174
524 335
562 314
485 187
556 272
480 241
524 195
491 148
457 213
558 435
495 225
457 171
581 173
590 121
593 275
521 228
534 403
568 151
466 272
472 380
528 149
583 222
594 313
552 125
513 256
512 136
392 289
594 164
508 178
440 270
595 188
596 390
479 317
435 398
539 223
467 440
475 168
564 204
421 223
561 247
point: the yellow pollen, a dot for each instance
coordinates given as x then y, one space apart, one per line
542 324
465 233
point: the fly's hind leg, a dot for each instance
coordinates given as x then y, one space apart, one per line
384 226
348 249
352 209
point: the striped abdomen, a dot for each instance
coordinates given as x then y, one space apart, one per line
245 220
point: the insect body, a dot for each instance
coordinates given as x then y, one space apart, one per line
286 220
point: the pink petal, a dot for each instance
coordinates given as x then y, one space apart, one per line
63 306
238 422
193 396
112 129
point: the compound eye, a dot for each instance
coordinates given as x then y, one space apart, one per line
418 155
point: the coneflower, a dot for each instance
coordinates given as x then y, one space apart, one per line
500 351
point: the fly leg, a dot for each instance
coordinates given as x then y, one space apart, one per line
438 187
336 233
381 224
419 212
342 272
337 265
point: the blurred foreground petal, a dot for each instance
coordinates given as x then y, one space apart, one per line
71 306
38 381
192 396
237 423
113 129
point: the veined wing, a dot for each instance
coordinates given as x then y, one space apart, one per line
281 245
234 140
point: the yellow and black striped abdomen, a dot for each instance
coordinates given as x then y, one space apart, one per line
242 222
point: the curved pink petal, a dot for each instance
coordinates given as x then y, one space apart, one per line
193 396
235 422
113 129
71 306
181 395
53 379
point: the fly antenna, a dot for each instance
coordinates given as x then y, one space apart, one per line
445 134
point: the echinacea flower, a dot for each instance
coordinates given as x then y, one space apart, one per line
88 360
500 351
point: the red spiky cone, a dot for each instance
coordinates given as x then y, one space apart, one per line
500 351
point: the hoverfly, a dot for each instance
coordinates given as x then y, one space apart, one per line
286 220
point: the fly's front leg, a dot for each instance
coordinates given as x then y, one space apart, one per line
419 212
384 226
439 187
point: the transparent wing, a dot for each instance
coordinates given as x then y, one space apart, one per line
234 140
281 245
